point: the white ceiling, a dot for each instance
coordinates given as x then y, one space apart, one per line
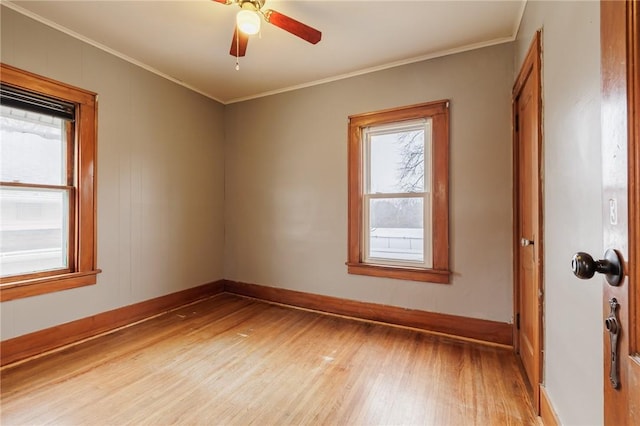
188 41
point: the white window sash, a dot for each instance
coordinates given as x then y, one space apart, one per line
426 196
427 261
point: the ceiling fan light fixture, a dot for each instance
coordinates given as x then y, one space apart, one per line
248 22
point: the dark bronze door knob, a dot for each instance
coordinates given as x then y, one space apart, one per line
585 267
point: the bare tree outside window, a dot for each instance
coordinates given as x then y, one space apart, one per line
411 168
405 158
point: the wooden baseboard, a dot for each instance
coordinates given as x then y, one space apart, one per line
478 329
35 343
547 413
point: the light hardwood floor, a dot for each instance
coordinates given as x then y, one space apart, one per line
233 360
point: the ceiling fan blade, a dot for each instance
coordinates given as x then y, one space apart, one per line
239 43
296 28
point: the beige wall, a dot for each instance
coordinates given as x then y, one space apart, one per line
572 204
160 179
286 185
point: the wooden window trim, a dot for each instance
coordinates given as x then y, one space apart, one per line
82 262
438 111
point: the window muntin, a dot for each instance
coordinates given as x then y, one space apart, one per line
398 193
48 211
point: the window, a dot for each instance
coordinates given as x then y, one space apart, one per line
399 193
47 188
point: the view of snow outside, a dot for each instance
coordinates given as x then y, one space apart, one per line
33 228
395 194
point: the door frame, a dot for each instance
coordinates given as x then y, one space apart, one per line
532 64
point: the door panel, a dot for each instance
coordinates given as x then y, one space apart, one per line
526 252
528 245
620 44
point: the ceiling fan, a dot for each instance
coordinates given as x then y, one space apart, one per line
248 22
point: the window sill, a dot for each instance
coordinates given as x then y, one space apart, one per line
400 273
35 286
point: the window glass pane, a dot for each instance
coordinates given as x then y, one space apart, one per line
33 230
32 147
397 161
396 229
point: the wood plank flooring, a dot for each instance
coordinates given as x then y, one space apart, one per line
233 360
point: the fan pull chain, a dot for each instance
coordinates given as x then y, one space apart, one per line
237 49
